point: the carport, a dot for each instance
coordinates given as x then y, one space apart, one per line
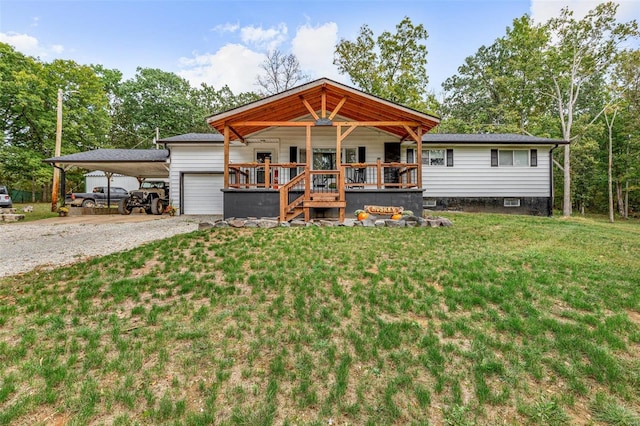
140 163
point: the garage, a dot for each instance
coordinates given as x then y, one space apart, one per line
201 193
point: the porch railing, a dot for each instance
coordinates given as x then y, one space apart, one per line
263 175
376 175
380 175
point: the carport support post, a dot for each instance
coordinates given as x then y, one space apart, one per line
108 175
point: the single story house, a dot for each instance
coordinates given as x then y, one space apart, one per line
324 149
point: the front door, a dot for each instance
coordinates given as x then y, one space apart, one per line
391 155
262 157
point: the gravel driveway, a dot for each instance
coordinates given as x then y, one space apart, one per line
61 241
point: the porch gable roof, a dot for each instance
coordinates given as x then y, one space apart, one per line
326 98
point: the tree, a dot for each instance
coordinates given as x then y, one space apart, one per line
392 66
497 89
546 79
153 99
280 72
28 98
626 81
579 52
210 101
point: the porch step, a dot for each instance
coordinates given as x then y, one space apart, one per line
293 214
325 204
325 196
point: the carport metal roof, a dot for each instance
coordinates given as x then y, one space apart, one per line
140 163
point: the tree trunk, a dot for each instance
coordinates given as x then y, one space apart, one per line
626 200
610 179
33 190
619 196
566 199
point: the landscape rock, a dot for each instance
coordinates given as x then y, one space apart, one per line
251 223
204 225
267 223
391 223
445 222
380 223
236 223
298 223
285 225
8 217
221 224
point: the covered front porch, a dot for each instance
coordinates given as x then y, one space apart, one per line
321 149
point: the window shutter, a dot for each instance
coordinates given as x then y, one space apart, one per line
293 158
534 158
494 158
449 157
362 154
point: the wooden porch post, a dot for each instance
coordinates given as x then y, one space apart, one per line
338 145
419 156
226 157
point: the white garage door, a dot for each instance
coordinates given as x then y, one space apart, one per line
202 193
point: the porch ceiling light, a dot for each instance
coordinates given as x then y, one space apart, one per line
324 122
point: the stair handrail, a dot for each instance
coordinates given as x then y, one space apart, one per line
285 206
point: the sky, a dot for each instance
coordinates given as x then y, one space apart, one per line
225 42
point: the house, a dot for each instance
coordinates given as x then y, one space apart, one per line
324 149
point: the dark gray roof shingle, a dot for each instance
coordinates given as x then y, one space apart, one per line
488 138
194 137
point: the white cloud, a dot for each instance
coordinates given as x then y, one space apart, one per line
21 42
233 64
314 47
238 64
30 45
268 39
543 10
227 28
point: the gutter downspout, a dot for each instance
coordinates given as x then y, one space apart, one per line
551 192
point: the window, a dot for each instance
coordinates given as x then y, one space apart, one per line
429 202
511 157
324 158
433 157
512 202
350 155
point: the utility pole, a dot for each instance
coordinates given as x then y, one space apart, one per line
56 170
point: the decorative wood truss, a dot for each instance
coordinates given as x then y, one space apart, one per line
324 101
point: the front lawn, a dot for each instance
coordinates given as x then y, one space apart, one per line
496 320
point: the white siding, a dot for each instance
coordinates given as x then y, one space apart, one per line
473 176
202 193
192 159
97 178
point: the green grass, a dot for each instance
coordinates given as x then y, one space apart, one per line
496 320
40 211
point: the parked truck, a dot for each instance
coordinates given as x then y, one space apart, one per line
98 197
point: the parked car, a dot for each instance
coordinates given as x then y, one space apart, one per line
5 198
97 197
